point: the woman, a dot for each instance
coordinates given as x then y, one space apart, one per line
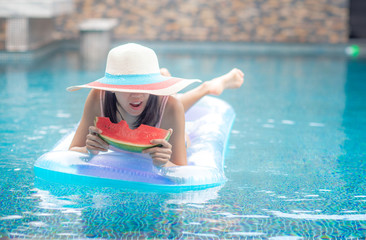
136 90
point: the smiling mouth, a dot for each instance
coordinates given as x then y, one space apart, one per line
135 104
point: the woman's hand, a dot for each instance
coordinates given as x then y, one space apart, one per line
161 155
94 143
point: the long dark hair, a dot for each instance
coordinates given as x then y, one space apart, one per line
150 116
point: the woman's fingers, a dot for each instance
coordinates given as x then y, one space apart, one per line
162 153
160 158
159 162
159 152
94 130
163 146
94 145
162 142
94 142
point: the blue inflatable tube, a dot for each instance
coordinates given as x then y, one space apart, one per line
208 124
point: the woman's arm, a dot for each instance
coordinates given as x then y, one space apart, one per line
173 152
86 137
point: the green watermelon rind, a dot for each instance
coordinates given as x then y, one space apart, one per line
129 147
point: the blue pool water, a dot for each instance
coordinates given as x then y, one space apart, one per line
296 164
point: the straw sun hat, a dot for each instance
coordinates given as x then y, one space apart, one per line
135 68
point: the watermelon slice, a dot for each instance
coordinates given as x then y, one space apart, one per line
121 136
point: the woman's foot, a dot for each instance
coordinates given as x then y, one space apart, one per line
231 80
165 72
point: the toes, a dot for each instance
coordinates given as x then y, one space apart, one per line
165 72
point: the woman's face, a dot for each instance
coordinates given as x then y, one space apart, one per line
133 103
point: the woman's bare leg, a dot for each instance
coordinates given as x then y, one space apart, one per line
230 80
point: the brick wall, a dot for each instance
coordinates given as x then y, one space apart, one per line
313 21
2 34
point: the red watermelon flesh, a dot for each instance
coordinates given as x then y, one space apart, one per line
134 140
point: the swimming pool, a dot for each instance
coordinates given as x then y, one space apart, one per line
295 165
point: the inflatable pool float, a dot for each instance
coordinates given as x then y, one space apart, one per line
208 124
